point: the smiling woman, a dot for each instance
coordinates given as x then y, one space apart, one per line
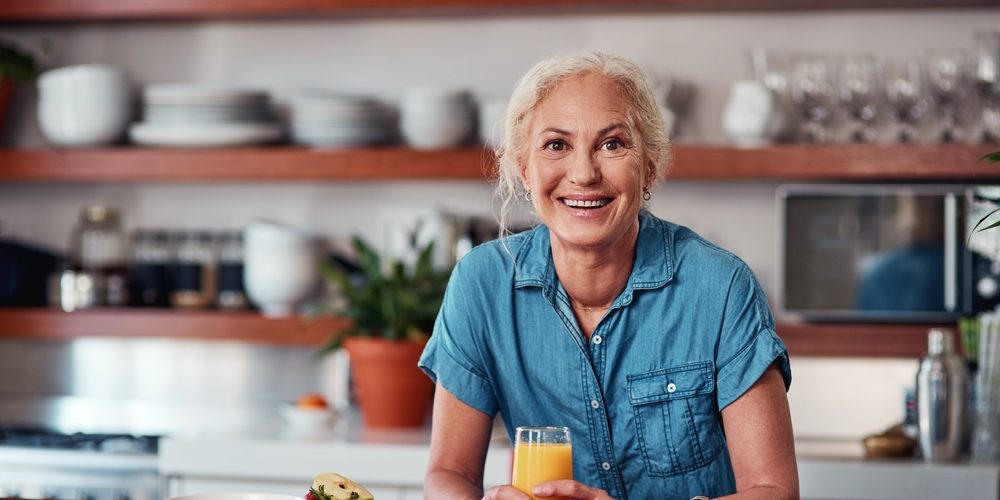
654 348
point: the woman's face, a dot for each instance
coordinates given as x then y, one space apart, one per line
583 166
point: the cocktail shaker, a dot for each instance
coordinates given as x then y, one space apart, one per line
942 399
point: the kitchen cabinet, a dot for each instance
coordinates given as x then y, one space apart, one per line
101 10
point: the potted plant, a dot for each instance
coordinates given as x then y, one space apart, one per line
16 66
391 310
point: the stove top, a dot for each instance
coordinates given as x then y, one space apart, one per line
39 437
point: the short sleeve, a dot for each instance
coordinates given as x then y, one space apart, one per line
451 357
748 343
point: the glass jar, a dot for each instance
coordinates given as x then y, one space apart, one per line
231 294
98 249
194 273
149 262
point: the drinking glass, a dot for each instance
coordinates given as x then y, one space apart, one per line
947 77
541 454
813 94
860 84
905 91
986 74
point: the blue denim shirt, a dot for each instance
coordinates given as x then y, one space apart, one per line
687 336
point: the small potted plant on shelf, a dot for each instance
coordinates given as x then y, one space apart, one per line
16 66
391 310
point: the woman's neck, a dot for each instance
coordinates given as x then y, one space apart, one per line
593 277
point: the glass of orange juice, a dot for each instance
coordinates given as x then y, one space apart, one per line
541 454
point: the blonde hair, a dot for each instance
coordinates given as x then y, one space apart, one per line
643 114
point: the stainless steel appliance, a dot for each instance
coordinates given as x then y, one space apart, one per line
886 252
41 463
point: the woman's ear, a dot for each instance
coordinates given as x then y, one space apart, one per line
650 174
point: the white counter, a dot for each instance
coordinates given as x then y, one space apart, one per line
392 465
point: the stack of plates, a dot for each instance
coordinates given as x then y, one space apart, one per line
184 115
328 119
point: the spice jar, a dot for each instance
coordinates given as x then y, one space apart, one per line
231 294
194 273
149 262
98 249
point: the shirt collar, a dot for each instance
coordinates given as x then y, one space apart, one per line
654 256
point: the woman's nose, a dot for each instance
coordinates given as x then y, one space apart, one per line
584 170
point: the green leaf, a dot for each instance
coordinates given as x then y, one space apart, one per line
992 157
987 216
390 301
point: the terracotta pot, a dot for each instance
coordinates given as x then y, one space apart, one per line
390 389
6 92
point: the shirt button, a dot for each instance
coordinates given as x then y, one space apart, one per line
606 466
594 404
598 339
671 387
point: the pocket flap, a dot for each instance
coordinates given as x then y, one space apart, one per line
671 383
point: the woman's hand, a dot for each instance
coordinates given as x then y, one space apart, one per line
505 492
568 488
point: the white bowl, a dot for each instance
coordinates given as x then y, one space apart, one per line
82 123
280 267
234 496
94 80
263 233
306 419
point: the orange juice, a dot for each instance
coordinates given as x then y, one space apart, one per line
539 462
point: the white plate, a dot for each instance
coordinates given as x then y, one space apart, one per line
194 94
238 496
204 134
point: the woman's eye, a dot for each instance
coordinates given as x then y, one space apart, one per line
612 145
555 146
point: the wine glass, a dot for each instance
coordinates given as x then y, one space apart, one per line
860 85
813 94
948 84
905 91
986 78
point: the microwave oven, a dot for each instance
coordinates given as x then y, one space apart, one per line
902 253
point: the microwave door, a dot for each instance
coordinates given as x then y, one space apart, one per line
870 254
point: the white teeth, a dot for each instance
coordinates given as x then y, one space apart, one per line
585 203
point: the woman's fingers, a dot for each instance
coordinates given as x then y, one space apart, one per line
570 489
506 492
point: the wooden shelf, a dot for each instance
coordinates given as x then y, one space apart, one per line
47 324
802 339
103 10
858 339
695 163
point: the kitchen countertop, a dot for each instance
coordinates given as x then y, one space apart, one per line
827 468
285 454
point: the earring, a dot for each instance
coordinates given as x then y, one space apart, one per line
527 195
645 195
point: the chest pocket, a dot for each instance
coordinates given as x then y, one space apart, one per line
675 418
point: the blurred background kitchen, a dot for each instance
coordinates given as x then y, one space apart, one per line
147 192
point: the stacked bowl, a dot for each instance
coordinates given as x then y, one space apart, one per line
190 115
329 119
84 105
436 117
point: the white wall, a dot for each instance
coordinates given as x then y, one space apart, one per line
384 56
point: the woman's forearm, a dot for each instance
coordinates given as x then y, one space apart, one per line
447 485
763 493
